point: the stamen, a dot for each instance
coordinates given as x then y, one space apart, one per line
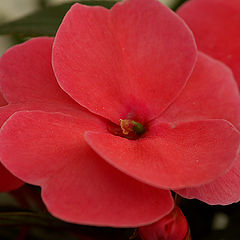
128 126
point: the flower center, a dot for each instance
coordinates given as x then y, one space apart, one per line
128 128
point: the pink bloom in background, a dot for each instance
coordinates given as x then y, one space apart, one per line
174 226
215 25
133 112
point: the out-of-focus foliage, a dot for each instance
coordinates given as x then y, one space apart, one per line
46 21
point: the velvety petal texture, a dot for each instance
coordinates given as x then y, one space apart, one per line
224 190
26 132
211 93
27 82
172 156
78 185
27 78
94 193
174 226
121 65
8 182
216 25
20 83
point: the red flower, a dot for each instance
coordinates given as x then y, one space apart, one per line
8 182
174 226
216 25
134 113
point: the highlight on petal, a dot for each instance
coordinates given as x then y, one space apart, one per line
211 93
172 156
224 190
77 185
115 62
215 25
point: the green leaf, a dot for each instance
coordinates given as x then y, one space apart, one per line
30 219
45 22
177 4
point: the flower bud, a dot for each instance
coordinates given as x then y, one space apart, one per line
174 226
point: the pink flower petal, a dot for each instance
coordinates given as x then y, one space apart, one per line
43 141
8 110
224 190
78 186
28 81
8 181
95 193
128 60
216 25
26 73
211 93
168 156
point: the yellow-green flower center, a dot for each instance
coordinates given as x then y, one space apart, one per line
130 126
